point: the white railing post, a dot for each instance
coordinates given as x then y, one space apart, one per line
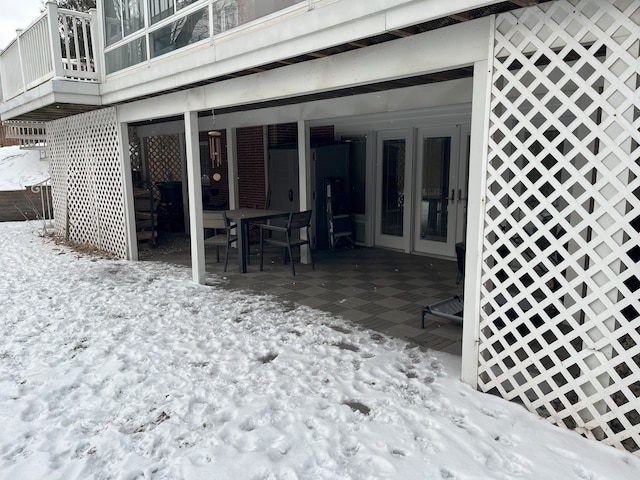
54 37
44 189
21 60
97 42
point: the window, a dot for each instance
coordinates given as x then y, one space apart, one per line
112 21
133 16
225 16
122 18
159 10
126 55
185 3
184 31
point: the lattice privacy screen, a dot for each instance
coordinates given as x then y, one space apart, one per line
560 288
164 161
86 173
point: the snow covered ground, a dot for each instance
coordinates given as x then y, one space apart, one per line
128 370
20 168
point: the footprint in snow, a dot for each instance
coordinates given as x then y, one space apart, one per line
494 413
447 474
583 473
461 421
32 412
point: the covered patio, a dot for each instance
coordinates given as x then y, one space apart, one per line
374 288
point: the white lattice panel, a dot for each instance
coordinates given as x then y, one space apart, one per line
87 179
560 288
164 162
57 153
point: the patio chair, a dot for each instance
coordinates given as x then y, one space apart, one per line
337 217
296 222
222 226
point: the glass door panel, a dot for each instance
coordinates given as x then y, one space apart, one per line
393 164
435 159
437 190
394 186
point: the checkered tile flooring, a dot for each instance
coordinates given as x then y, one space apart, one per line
377 289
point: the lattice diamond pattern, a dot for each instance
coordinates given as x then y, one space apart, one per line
88 190
164 161
57 153
560 321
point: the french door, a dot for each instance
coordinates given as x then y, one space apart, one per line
421 200
393 181
440 189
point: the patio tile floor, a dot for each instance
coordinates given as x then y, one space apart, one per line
378 289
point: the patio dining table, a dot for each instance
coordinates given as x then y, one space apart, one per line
243 217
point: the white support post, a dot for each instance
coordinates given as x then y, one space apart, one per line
127 188
305 179
475 219
56 49
194 181
232 168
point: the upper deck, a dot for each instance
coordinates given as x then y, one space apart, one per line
69 62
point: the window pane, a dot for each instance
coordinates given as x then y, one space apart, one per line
112 21
184 3
127 55
189 29
133 16
159 10
229 14
225 15
266 7
393 163
435 188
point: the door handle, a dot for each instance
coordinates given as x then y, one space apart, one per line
291 195
453 195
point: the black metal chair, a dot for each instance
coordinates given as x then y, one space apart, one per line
222 226
338 217
296 222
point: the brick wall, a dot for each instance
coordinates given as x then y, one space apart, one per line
251 153
287 134
323 134
283 134
20 205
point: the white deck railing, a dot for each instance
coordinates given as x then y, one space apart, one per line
58 44
32 135
46 204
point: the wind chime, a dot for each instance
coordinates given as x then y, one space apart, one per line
215 149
